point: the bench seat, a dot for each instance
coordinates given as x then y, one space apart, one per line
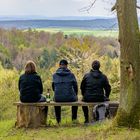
35 114
78 103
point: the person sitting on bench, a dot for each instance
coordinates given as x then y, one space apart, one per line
30 85
65 89
95 87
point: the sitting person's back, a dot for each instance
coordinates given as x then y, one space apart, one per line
64 84
65 89
30 85
95 87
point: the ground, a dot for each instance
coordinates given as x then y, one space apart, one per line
102 131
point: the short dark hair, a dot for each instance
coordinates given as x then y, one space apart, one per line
63 62
96 65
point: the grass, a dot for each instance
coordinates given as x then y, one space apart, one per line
102 131
75 31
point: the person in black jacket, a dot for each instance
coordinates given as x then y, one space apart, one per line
65 89
95 87
30 85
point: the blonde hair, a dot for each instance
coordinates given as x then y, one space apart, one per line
30 67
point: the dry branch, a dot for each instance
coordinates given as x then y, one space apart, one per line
138 7
87 8
114 7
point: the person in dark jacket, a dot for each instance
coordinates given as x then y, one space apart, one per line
30 85
95 87
65 89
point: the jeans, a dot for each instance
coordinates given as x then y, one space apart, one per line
58 113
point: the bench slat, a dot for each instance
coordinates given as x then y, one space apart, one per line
79 103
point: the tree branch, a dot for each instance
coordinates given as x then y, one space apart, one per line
138 7
114 7
87 8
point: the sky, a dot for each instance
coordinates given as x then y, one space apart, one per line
54 8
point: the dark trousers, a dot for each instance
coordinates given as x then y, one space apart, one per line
74 110
85 110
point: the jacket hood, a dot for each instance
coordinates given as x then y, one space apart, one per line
96 73
63 71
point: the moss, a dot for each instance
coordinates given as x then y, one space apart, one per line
128 119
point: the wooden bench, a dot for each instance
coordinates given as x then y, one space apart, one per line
35 114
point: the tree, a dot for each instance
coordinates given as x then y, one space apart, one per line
129 37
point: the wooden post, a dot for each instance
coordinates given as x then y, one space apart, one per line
31 116
90 113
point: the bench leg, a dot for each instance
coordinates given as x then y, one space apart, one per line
90 114
31 116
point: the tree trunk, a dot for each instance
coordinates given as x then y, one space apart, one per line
129 109
31 116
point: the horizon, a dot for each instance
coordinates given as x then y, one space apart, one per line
40 17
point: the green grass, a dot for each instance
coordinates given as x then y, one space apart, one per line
72 31
101 131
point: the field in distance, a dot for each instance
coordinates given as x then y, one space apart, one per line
70 31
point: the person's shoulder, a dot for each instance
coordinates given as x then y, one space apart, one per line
103 75
71 73
86 75
36 75
22 75
54 74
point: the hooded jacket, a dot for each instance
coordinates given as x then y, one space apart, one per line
95 86
30 87
64 86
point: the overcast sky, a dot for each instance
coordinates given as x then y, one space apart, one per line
55 8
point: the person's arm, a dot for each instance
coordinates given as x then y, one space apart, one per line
40 85
53 86
107 87
75 85
82 87
53 82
